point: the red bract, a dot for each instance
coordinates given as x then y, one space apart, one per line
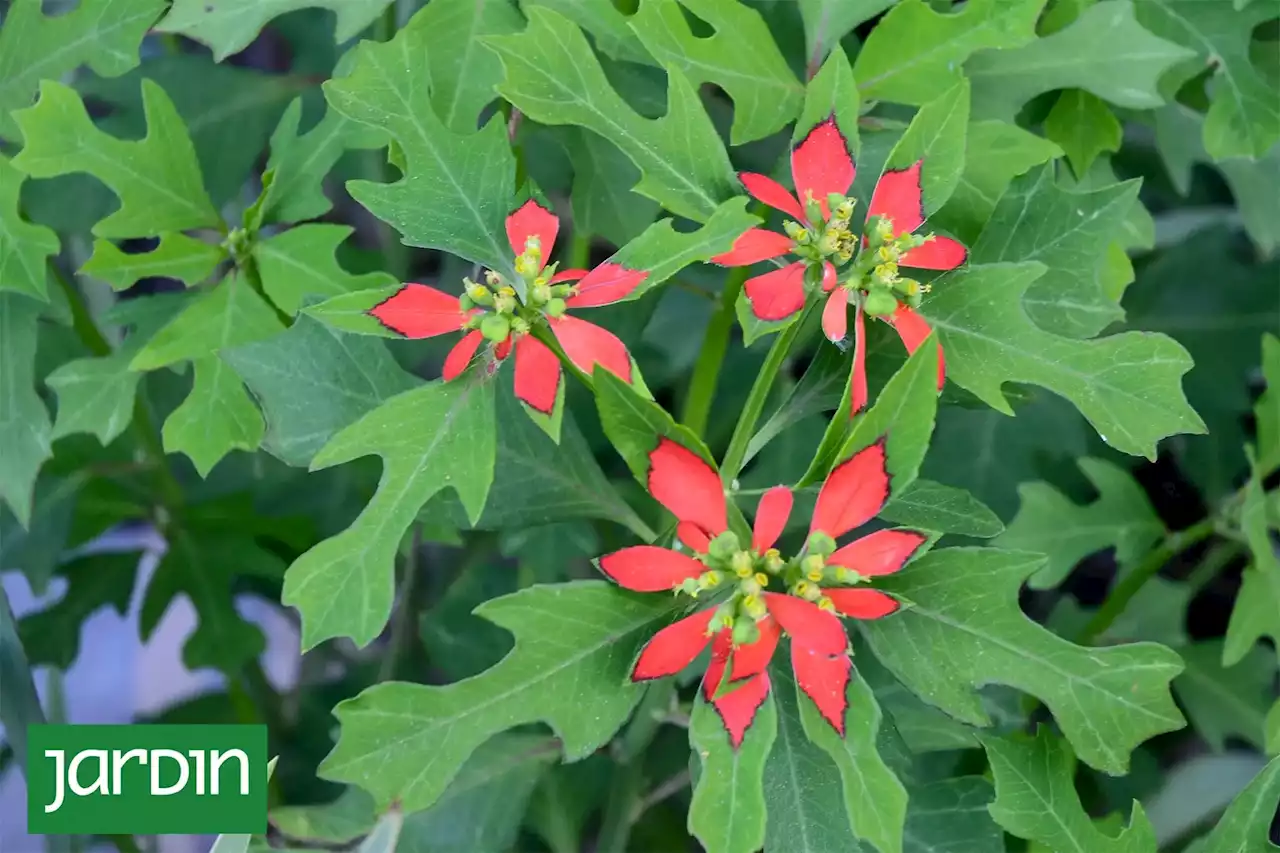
852 269
767 595
493 311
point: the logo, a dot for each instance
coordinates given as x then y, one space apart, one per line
147 780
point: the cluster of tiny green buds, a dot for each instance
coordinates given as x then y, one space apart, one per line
824 238
877 269
529 262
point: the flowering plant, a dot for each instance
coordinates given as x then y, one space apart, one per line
658 424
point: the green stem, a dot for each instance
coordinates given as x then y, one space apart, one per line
1124 591
1217 559
627 790
715 343
402 620
731 466
384 29
579 250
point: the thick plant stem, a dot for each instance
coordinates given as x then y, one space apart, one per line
1128 587
715 343
731 465
627 791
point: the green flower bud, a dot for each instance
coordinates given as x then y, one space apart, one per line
519 326
794 229
479 294
821 543
555 307
745 632
750 586
743 564
493 278
722 619
724 546
812 210
465 303
504 304
834 202
880 303
812 565
563 291
689 586
495 327
539 294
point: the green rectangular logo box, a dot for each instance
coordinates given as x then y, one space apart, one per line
146 780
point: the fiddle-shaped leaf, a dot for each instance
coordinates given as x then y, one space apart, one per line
438 436
301 262
727 813
228 26
217 416
24 421
963 607
187 259
24 247
230 314
157 178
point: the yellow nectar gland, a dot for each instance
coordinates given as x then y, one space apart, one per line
743 564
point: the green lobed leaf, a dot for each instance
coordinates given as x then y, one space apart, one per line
1084 126
1068 232
1127 385
95 395
293 184
874 800
203 566
1036 798
1105 51
740 57
51 636
964 608
24 247
301 262
406 742
1245 826
24 421
228 110
462 81
602 200
553 78
468 178
540 481
1050 523
1224 702
104 34
996 153
187 259
927 505
915 52
157 178
230 314
20 707
1244 114
313 381
1256 613
436 436
936 135
727 814
228 26
217 417
605 21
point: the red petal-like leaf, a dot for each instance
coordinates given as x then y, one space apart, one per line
648 568
737 708
752 659
913 329
693 536
853 494
754 245
809 625
503 349
587 345
568 275
686 485
897 195
940 253
605 285
835 315
771 517
880 553
419 311
858 383
821 163
861 602
461 354
825 680
828 276
529 219
778 294
771 193
537 374
674 647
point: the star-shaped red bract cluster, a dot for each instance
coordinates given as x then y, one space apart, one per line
858 268
757 594
491 311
